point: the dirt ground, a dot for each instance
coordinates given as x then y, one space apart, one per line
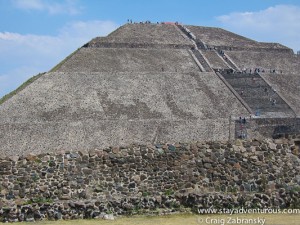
189 219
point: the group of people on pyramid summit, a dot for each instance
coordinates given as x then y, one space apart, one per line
149 22
146 22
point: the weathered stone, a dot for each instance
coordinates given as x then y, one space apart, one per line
160 151
132 185
207 160
31 157
116 150
278 141
254 158
143 177
207 165
108 217
237 165
136 178
43 188
65 197
181 172
93 153
14 158
87 170
238 142
237 148
272 145
65 191
255 143
5 164
57 216
30 219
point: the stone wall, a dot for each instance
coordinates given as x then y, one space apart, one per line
276 127
146 178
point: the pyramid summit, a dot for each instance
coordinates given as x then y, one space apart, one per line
156 83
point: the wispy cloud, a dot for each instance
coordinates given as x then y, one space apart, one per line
277 24
52 7
23 56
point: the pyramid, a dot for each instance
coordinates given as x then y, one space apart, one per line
152 83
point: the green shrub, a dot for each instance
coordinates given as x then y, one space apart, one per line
145 194
38 200
169 192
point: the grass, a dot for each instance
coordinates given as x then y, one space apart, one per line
169 192
179 219
38 200
24 85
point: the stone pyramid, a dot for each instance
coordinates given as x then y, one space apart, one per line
151 83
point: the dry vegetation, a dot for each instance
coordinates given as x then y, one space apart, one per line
190 219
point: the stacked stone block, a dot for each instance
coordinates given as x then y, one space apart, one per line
153 179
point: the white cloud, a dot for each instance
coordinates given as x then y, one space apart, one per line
90 29
52 7
274 24
23 56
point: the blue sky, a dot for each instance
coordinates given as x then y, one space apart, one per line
35 35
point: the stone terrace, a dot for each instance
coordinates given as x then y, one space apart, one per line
225 39
85 110
145 33
215 61
128 60
280 61
288 85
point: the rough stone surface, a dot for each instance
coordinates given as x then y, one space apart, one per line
115 109
144 83
223 39
142 89
108 183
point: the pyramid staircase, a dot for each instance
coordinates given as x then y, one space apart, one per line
196 50
259 96
228 61
202 60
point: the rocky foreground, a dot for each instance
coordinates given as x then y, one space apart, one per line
160 178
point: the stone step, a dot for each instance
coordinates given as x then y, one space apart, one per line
239 83
241 75
202 60
216 61
257 93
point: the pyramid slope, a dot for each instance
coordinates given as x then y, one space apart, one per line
281 61
127 60
143 83
88 110
162 34
222 38
288 85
